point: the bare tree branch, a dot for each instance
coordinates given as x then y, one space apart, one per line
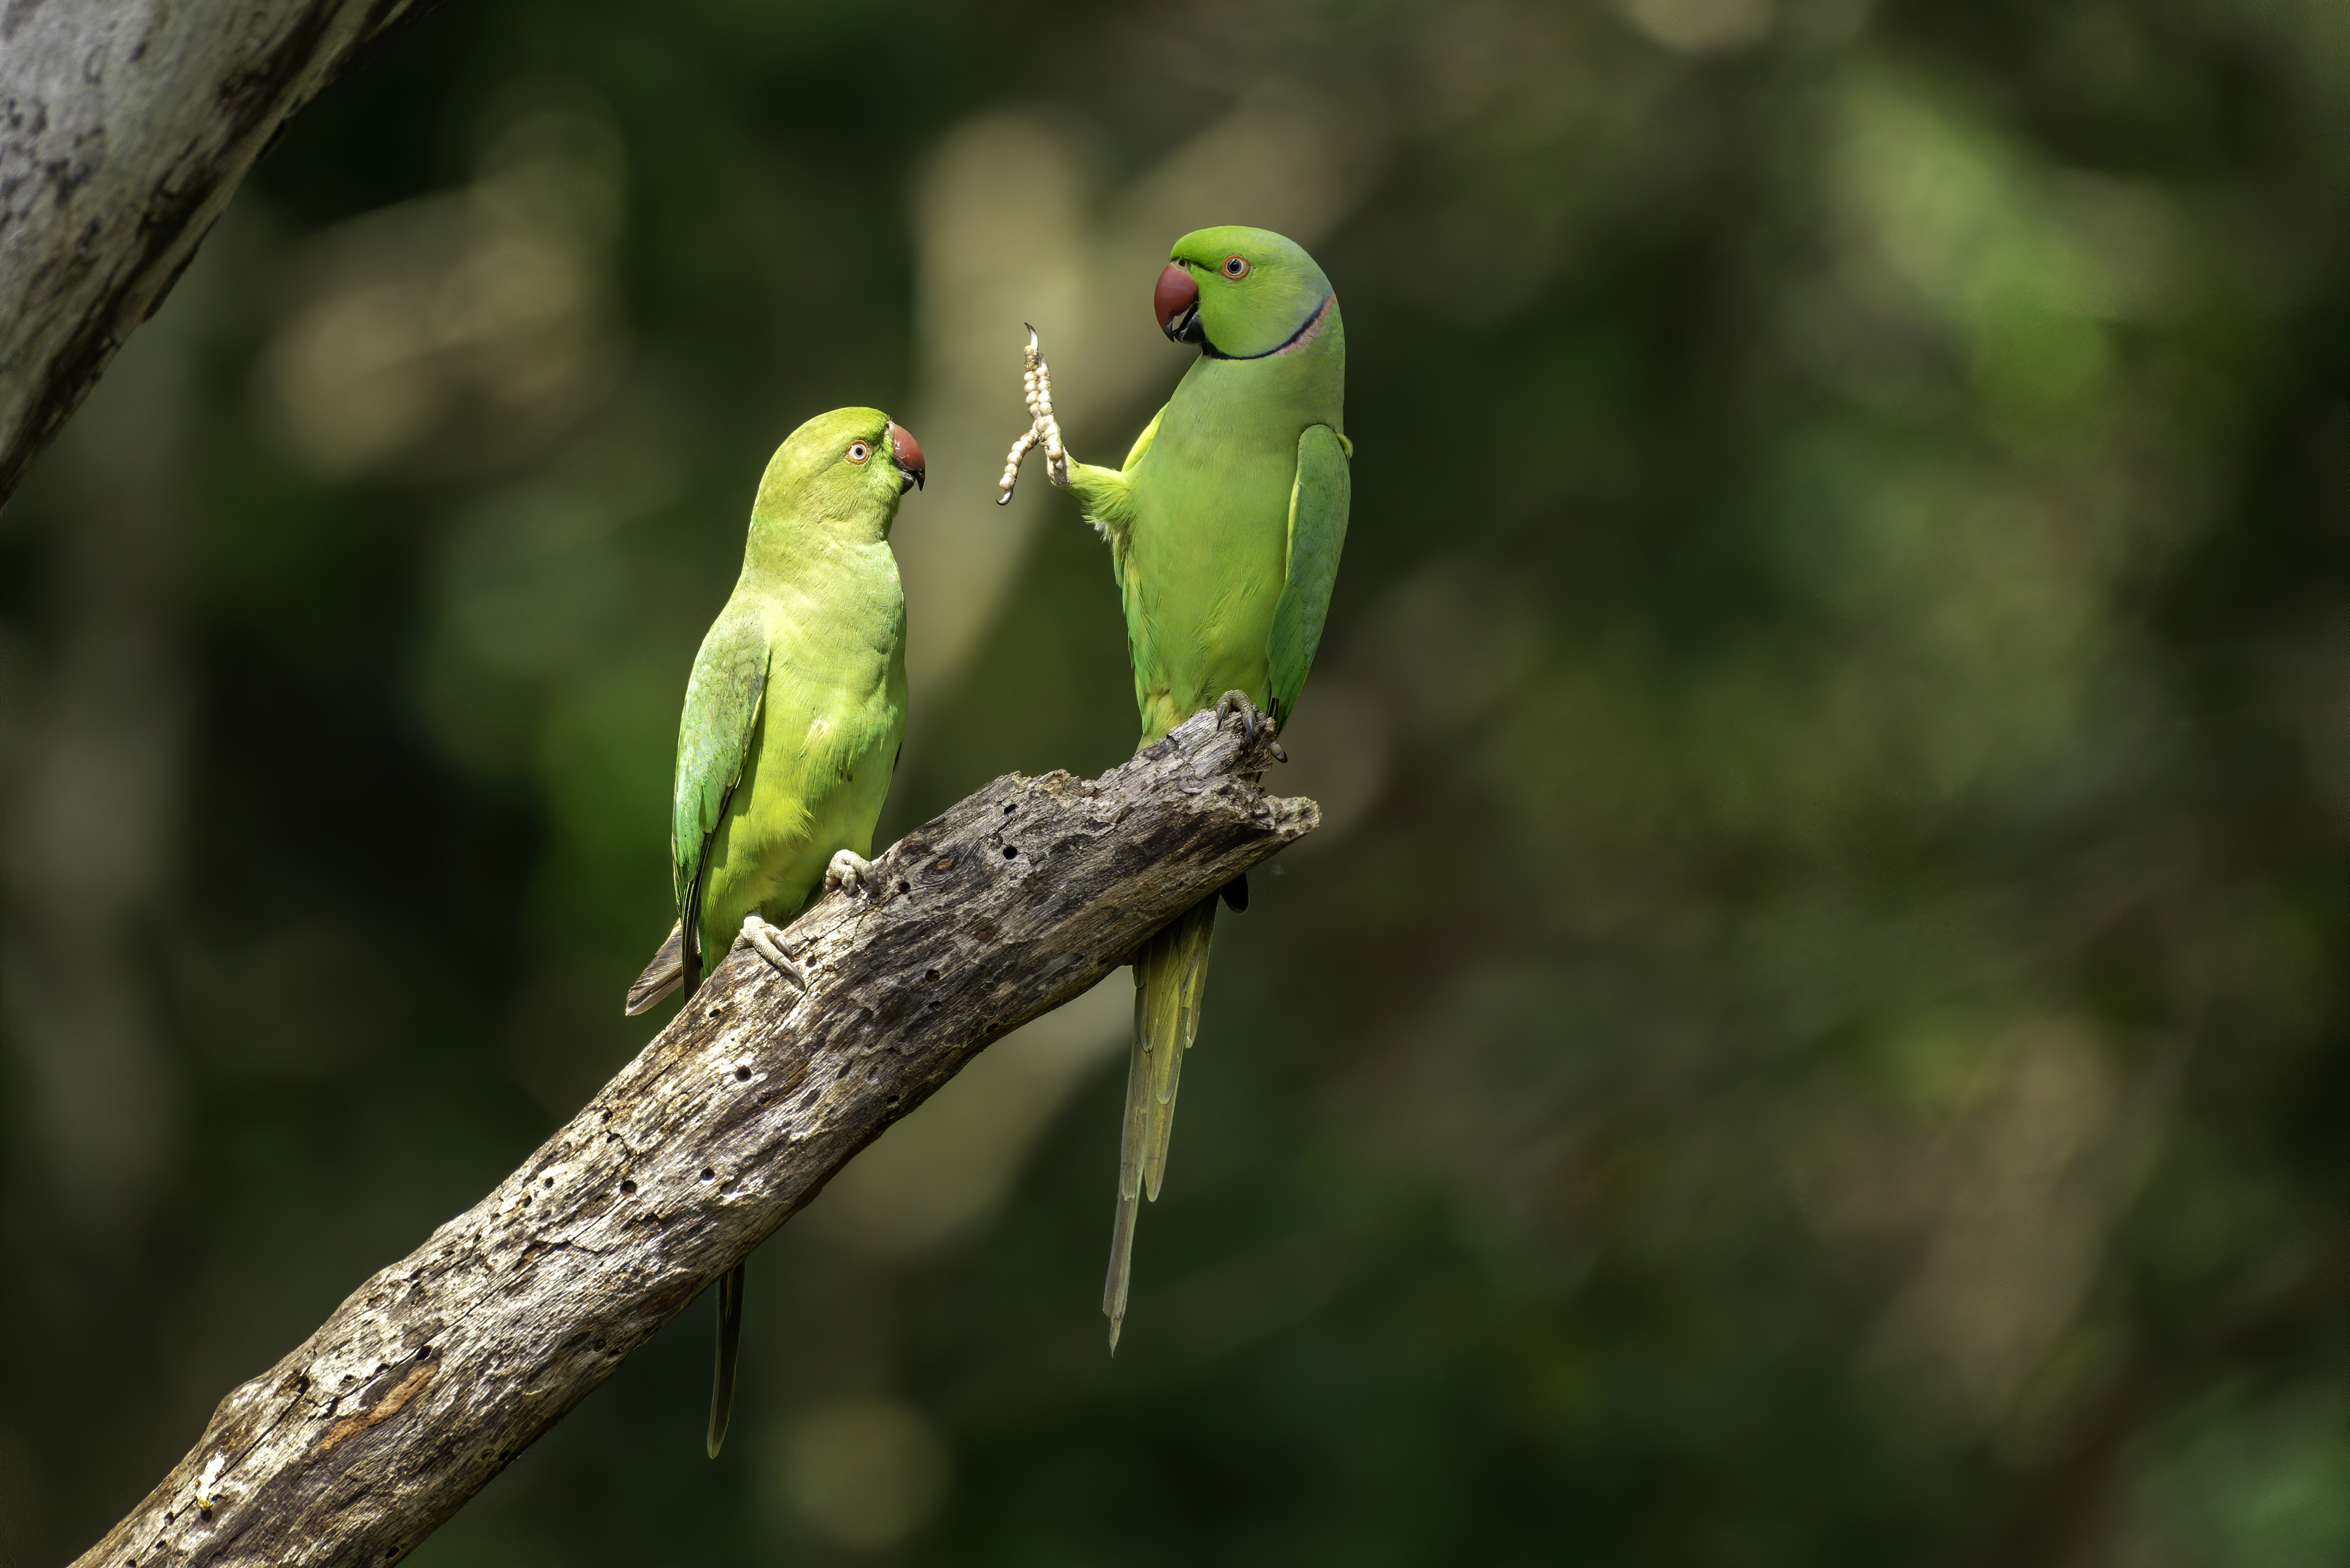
439 1369
124 129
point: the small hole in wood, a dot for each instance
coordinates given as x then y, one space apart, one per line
628 1187
905 887
742 1075
893 1100
1010 809
1009 850
930 974
550 1181
423 1353
708 1174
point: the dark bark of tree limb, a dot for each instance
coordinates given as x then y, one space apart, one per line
124 130
436 1373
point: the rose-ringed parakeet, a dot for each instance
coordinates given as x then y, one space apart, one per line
792 719
1224 526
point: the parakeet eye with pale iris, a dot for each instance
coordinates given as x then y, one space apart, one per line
1236 266
859 451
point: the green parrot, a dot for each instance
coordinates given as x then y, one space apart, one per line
792 719
1224 526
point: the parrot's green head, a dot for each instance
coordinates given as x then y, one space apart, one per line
1241 294
844 470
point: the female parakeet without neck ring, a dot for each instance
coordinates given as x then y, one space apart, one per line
792 723
1224 527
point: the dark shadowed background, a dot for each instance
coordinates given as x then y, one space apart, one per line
1814 1033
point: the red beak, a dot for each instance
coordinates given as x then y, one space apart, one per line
907 452
1176 303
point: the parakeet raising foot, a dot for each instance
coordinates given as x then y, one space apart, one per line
792 719
1224 526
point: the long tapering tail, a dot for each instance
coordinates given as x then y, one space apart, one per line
729 1353
1171 978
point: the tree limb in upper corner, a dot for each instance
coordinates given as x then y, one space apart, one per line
124 130
438 1371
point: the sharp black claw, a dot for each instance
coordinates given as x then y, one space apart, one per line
1232 702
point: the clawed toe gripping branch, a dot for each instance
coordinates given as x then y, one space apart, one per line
436 1373
1253 723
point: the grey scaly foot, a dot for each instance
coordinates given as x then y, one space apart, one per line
851 870
1232 702
1044 429
1252 720
767 941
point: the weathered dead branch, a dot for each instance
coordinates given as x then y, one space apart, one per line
439 1369
124 130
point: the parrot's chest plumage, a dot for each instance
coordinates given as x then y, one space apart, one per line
827 735
1208 535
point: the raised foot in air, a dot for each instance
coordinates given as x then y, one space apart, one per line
767 941
1036 382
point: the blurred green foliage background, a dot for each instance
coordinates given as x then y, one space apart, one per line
1815 1033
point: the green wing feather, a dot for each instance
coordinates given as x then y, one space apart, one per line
1317 532
714 744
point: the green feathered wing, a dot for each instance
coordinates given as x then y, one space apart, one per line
713 746
715 736
1317 532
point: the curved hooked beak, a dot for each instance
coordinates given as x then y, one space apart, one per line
1176 303
907 453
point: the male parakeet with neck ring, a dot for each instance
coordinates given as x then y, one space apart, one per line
1224 526
792 719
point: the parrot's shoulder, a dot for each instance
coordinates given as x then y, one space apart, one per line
733 651
1142 443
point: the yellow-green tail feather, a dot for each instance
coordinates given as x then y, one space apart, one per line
729 1355
1171 979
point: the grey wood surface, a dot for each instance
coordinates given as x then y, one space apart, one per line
125 128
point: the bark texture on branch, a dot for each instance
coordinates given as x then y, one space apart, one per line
439 1369
124 129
